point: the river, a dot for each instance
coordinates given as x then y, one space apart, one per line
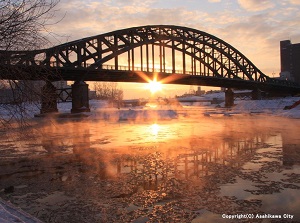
194 168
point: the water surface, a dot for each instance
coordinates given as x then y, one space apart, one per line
190 169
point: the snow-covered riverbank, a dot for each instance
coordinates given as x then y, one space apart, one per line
102 109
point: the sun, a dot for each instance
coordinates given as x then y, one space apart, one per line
154 86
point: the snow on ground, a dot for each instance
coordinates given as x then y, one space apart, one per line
264 105
218 95
10 214
103 110
272 107
269 106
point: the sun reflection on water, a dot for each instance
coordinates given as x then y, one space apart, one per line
155 129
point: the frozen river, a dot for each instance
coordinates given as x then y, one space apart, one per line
189 168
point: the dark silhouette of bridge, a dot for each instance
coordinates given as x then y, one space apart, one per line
173 54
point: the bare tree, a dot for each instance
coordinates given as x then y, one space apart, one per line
108 91
23 23
23 26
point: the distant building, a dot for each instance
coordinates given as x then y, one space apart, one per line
290 61
199 92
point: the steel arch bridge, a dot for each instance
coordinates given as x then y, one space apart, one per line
174 54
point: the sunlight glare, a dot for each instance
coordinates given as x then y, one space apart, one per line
155 129
154 86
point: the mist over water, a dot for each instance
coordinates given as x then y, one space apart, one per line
190 168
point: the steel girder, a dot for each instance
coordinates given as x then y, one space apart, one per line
210 56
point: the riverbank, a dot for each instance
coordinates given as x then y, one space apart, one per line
282 107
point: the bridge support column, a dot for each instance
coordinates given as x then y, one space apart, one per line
256 94
49 97
80 97
229 98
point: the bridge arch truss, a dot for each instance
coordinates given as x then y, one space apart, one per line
157 48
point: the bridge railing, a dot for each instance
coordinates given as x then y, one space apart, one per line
127 68
107 67
144 69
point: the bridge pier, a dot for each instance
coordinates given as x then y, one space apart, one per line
229 98
256 94
48 99
80 97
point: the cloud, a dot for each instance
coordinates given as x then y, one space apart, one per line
258 36
144 3
213 1
295 2
256 5
93 18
